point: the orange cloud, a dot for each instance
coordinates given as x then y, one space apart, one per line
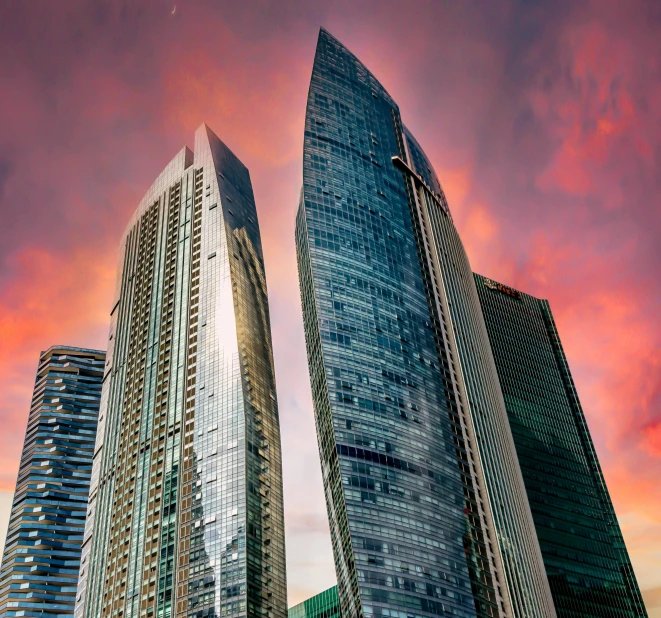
52 299
651 438
593 117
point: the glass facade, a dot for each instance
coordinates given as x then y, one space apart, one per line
43 547
393 482
326 604
186 514
584 554
411 496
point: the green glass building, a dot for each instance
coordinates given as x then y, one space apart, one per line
586 561
326 604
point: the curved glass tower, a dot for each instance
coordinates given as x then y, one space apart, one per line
42 552
426 502
185 515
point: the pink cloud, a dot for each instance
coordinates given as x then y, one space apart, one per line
548 147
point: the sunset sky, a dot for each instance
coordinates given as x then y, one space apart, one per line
542 120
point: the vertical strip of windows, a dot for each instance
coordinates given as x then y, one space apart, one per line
347 581
194 572
478 538
164 453
119 567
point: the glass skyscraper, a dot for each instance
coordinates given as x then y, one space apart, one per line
426 502
326 604
185 515
43 547
586 560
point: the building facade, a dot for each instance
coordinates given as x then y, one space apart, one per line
426 502
326 604
42 552
186 514
586 561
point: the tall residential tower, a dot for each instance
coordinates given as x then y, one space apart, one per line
186 514
43 547
586 561
426 502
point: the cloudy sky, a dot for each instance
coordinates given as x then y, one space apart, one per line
541 119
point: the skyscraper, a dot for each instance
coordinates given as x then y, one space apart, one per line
586 560
185 514
426 502
326 604
42 551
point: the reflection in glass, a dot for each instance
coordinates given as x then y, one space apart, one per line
186 515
